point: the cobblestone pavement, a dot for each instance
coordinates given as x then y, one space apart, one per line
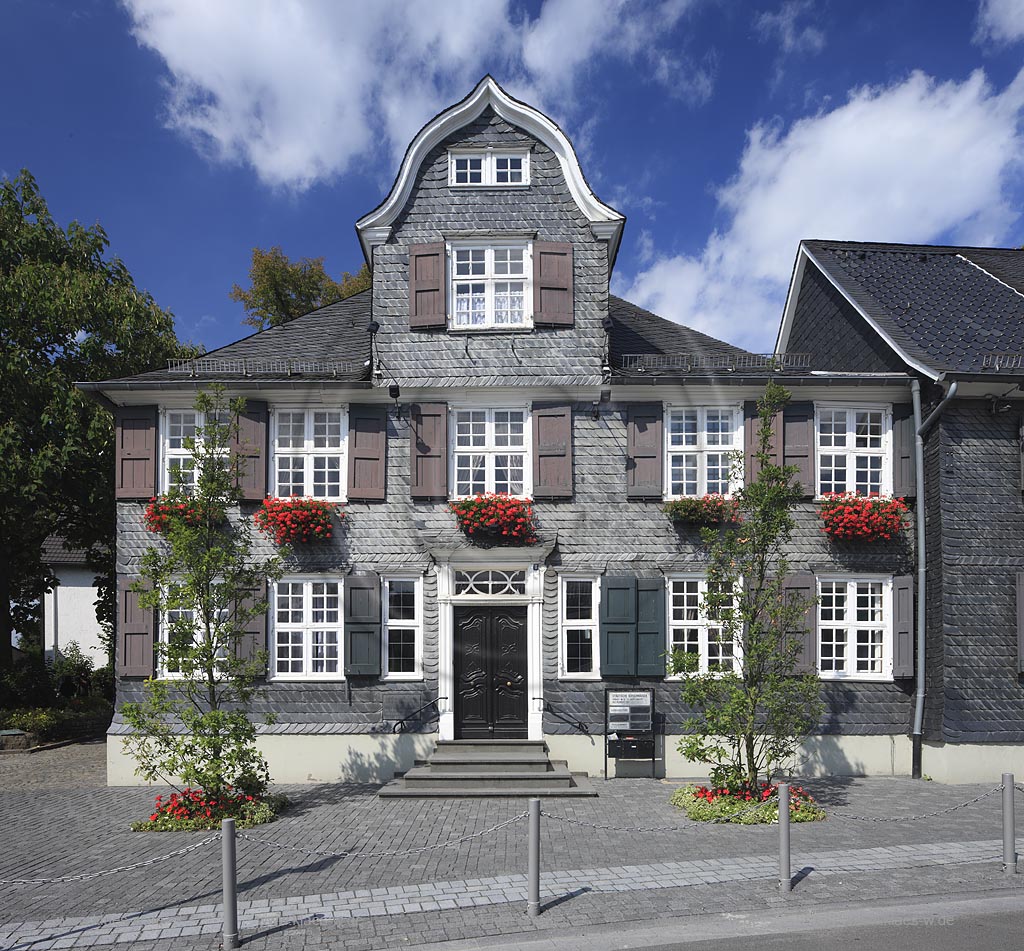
54 822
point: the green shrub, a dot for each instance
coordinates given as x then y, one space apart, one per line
743 807
56 723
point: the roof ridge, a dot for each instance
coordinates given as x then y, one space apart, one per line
896 247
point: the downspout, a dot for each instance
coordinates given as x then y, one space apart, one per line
920 429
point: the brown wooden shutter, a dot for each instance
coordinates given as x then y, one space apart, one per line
135 452
367 452
428 451
254 637
1020 622
427 284
250 446
362 625
136 632
751 422
903 626
552 451
644 451
798 443
801 585
552 284
904 483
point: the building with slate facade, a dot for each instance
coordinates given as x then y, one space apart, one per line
490 356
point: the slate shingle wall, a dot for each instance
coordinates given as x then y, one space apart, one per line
435 210
934 450
982 551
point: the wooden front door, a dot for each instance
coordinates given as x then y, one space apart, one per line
490 673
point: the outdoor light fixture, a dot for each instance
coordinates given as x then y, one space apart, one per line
394 391
595 409
372 327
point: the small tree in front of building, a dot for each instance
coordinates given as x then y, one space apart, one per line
206 584
751 714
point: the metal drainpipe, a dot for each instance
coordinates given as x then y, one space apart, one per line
919 433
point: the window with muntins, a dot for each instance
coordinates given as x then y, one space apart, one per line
853 449
489 168
578 629
309 453
403 629
491 286
693 630
701 441
855 628
181 429
490 451
307 635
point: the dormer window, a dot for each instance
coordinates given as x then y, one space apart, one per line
491 286
489 168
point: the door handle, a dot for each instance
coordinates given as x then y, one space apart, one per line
508 683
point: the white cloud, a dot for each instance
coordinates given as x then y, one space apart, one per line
785 27
300 91
1001 20
918 161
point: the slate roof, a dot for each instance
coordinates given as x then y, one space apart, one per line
638 331
55 552
951 309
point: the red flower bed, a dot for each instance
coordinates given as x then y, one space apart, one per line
848 516
497 517
712 509
762 793
164 510
297 520
195 804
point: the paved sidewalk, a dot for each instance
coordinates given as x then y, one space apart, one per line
55 823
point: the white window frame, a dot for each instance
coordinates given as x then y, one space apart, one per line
885 483
593 625
416 626
306 627
489 449
703 624
850 580
309 452
702 449
489 279
167 453
490 173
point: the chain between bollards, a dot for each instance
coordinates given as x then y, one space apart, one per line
785 878
230 891
1009 830
533 866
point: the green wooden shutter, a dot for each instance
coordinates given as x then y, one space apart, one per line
362 625
618 627
650 627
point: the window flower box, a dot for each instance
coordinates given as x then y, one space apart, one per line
293 520
851 517
711 509
164 511
495 518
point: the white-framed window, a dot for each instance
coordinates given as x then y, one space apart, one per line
700 445
307 618
309 452
854 449
490 286
403 628
855 628
182 625
579 650
178 470
491 167
490 451
693 630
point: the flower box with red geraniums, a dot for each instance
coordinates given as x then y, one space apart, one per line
743 805
297 520
851 517
496 518
193 809
712 509
163 511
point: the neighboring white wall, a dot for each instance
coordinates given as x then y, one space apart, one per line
972 763
69 613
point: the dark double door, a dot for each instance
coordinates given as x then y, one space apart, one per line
490 673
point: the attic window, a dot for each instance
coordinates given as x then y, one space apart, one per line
488 168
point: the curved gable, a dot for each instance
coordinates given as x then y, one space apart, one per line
375 228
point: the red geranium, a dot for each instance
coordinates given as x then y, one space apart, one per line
496 517
297 520
163 511
848 516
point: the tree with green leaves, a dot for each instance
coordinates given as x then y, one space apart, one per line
281 290
68 312
751 715
206 585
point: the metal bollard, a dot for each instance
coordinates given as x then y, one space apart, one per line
785 878
533 870
1009 828
230 892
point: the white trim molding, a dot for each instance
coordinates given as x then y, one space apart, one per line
375 228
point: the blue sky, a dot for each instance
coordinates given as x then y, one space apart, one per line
725 130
